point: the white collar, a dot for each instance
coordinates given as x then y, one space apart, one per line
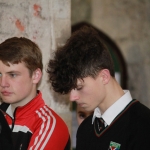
9 111
114 109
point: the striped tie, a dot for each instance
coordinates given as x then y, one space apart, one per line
99 125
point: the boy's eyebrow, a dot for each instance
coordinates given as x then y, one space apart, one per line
13 71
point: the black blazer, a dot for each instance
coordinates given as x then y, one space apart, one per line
5 134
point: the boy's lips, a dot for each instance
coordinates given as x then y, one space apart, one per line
81 104
6 93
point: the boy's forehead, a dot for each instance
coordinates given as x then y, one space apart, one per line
9 65
80 81
17 64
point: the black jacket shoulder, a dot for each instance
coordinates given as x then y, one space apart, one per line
5 134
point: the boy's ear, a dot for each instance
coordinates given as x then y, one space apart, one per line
37 74
105 75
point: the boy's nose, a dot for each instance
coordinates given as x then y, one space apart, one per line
3 82
74 96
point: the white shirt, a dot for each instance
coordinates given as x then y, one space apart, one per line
110 114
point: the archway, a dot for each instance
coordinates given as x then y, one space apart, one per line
119 62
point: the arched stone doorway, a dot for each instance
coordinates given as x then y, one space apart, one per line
119 62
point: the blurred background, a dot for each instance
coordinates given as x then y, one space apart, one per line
127 24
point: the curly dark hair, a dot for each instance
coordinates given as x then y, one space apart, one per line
83 55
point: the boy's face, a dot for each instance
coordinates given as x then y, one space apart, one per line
90 93
17 87
82 114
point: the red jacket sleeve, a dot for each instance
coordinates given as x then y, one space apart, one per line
49 132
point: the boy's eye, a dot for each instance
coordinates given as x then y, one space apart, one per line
13 75
0 74
82 116
79 88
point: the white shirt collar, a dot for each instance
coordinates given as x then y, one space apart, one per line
110 114
9 111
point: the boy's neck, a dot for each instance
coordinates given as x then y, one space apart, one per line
114 92
23 102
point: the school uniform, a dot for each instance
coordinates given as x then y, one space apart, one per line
127 127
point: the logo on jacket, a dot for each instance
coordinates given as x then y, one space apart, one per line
114 146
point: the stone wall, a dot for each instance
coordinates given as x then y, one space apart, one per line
47 23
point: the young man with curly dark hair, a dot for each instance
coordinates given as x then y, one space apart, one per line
83 68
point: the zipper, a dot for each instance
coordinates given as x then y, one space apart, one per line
13 119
